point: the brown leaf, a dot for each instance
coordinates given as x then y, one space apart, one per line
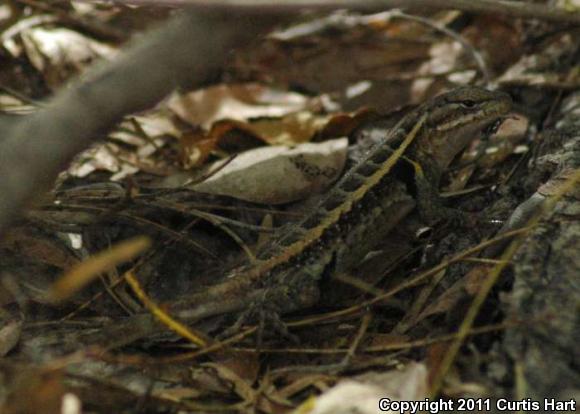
275 175
313 55
238 102
342 125
60 53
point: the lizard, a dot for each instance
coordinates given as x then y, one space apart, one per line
355 214
359 210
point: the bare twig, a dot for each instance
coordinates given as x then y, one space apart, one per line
455 36
519 9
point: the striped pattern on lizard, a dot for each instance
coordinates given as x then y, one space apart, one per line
359 211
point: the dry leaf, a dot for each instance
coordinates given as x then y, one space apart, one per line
60 53
102 157
334 52
275 175
141 136
239 102
153 124
291 129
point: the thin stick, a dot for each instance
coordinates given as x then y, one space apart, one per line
518 9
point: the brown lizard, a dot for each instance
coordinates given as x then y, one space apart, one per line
357 212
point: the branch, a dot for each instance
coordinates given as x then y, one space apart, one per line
520 9
190 50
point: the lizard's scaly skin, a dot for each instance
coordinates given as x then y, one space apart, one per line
361 207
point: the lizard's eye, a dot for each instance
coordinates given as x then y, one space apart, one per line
468 104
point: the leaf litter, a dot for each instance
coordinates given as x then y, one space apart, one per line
231 148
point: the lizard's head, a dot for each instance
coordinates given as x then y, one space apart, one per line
456 118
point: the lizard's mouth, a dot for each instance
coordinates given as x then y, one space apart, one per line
493 127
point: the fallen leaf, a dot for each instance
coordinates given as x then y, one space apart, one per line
60 53
238 102
276 175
